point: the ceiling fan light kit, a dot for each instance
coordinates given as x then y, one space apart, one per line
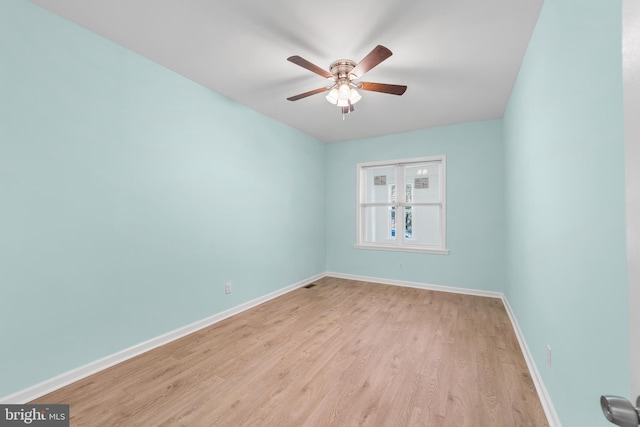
343 93
342 74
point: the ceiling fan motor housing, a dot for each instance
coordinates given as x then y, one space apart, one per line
341 68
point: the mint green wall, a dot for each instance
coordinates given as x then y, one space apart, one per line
130 195
565 205
475 204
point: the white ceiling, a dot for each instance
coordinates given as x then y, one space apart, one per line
459 58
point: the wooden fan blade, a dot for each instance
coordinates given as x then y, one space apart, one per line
376 56
383 87
304 95
309 66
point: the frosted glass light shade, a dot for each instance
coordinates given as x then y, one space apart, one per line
343 96
343 91
332 96
354 96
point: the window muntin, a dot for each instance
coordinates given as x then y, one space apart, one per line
420 209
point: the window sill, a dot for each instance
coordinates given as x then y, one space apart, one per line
403 249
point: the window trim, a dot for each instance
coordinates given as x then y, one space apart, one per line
400 245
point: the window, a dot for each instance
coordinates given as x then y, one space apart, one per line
412 220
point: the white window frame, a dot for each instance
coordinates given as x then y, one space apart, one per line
400 243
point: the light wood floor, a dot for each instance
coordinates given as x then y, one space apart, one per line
342 353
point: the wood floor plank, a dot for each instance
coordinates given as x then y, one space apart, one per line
340 353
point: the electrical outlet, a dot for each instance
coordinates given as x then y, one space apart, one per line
548 355
227 288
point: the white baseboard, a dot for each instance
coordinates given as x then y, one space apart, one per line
48 386
545 399
406 284
543 395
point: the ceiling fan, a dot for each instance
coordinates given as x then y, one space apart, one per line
343 74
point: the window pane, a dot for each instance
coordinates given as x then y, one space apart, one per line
425 180
379 224
423 225
379 184
408 222
393 221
